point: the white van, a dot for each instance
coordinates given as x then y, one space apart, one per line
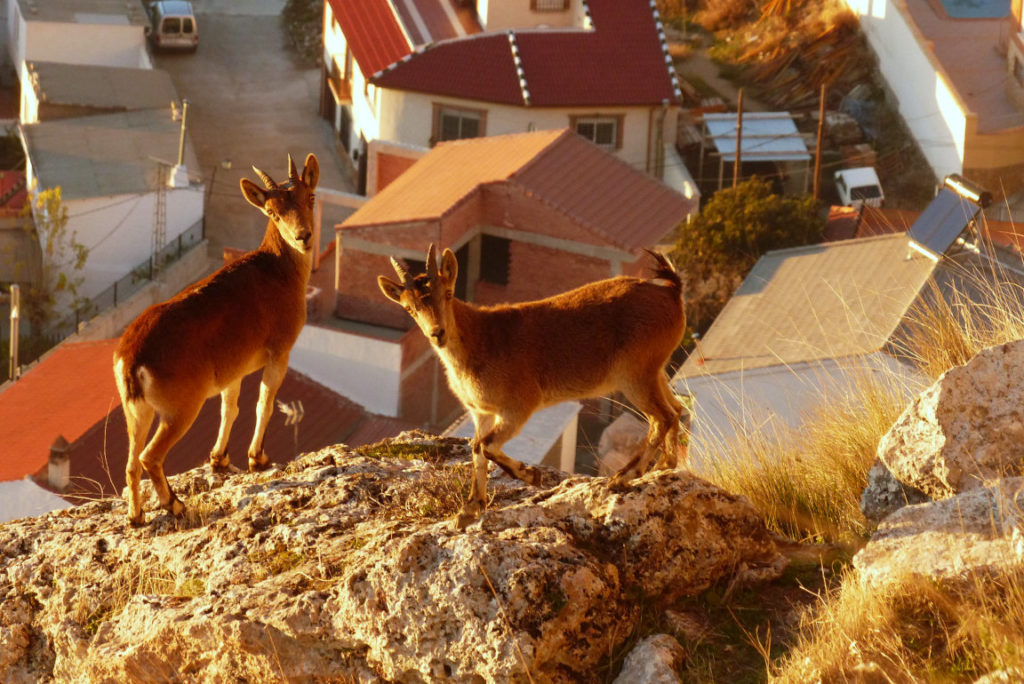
859 187
172 26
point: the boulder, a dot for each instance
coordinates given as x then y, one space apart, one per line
885 494
653 661
946 541
964 430
345 565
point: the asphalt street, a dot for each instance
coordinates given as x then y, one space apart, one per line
250 103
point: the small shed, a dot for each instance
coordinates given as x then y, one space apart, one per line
762 136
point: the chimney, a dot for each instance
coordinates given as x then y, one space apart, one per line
60 464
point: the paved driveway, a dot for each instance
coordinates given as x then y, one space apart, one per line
249 102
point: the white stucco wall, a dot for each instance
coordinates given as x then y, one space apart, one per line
118 231
366 370
498 15
24 499
935 116
766 402
407 118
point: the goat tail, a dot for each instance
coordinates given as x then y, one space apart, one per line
664 270
126 375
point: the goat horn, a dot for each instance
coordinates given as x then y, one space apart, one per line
431 262
293 173
401 270
267 180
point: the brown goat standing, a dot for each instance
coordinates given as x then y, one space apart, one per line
506 362
203 341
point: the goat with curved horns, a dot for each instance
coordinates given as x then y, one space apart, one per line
204 340
505 362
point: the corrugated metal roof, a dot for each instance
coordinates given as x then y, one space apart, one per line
622 60
373 33
105 155
766 136
102 87
810 303
569 174
66 393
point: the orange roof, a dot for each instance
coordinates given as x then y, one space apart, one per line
66 393
565 172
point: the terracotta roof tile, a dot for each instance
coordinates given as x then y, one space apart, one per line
621 61
373 33
99 455
66 393
573 177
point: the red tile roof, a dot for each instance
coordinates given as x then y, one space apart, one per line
622 60
567 173
66 393
373 33
71 392
100 454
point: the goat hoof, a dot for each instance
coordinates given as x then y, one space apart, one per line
175 507
619 482
466 517
256 466
137 523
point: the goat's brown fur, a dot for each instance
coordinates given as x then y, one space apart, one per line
204 340
505 362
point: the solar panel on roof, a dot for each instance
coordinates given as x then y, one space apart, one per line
942 222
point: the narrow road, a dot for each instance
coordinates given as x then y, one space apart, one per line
250 102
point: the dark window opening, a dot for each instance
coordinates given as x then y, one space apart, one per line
494 259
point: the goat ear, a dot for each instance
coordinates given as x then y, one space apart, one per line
256 195
311 173
449 265
390 288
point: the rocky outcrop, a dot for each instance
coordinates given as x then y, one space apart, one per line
965 430
950 540
885 494
344 564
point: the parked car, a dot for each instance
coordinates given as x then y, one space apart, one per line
859 187
172 26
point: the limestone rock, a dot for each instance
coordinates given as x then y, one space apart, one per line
885 494
979 530
653 661
965 430
345 565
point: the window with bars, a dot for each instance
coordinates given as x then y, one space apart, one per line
549 5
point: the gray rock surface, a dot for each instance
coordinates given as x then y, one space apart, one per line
346 565
948 540
965 430
885 494
653 661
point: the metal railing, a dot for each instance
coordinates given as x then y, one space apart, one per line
128 285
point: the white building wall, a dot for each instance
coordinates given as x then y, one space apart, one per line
768 402
498 15
407 118
118 231
364 369
927 102
119 45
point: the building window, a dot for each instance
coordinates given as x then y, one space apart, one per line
549 5
494 259
454 123
603 131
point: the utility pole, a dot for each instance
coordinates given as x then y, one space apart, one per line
739 139
13 371
818 146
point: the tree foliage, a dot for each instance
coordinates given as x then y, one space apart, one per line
63 258
717 249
